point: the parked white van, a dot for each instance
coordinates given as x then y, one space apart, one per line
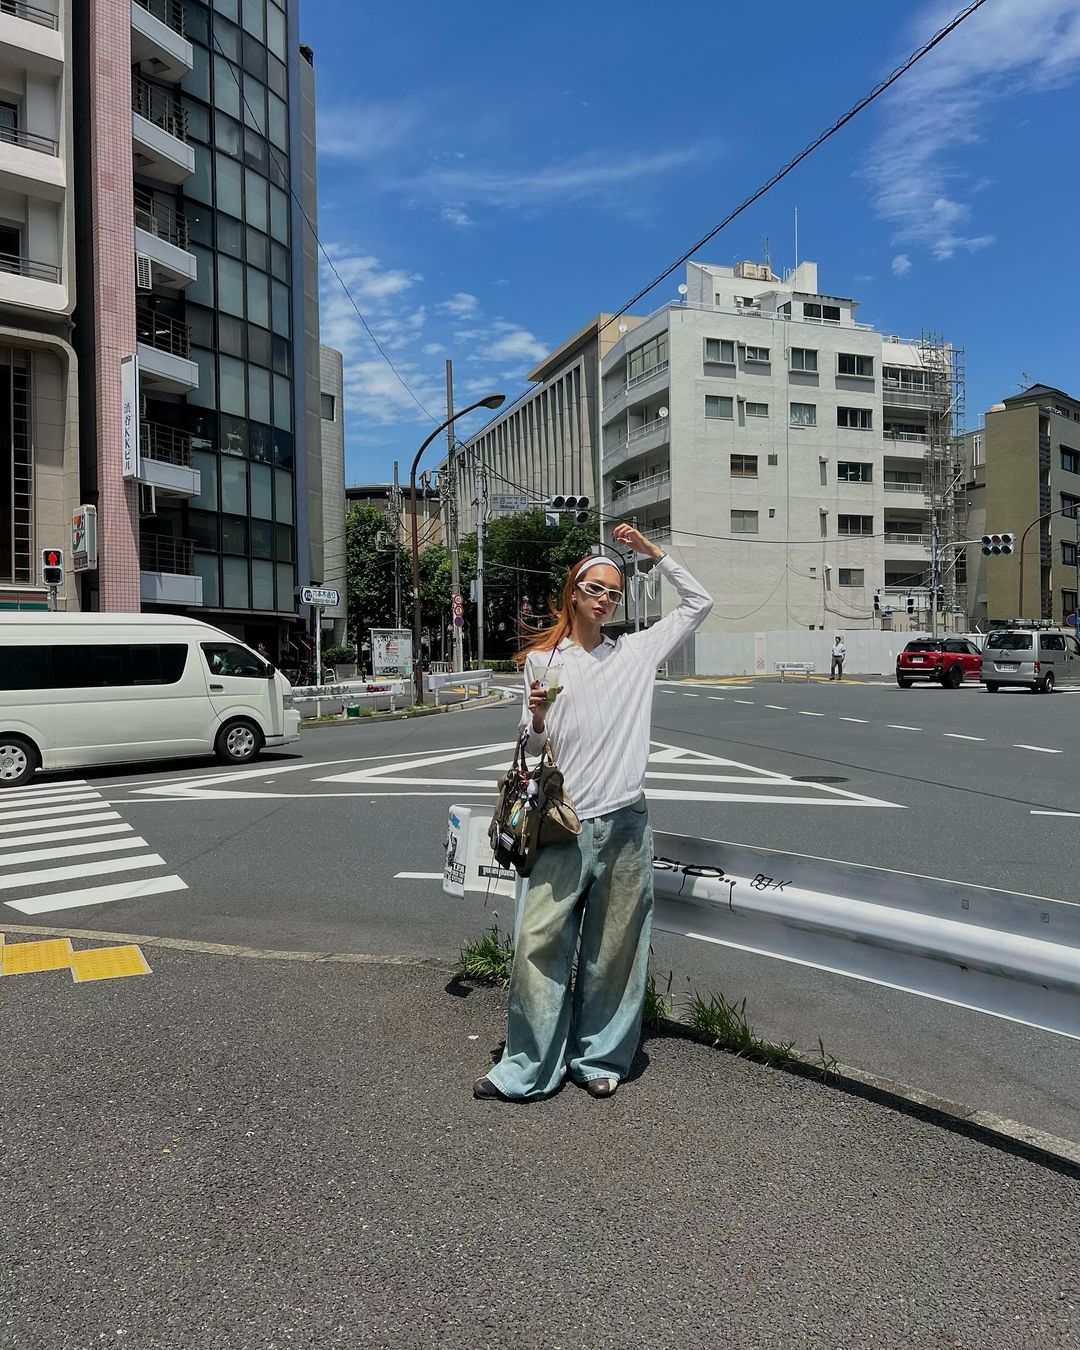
1039 659
88 689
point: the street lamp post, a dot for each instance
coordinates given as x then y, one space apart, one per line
491 401
1061 511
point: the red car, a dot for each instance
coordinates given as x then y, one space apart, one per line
949 661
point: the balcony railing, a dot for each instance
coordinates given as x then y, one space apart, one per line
159 107
170 12
33 13
27 267
916 437
658 369
163 333
661 535
29 140
168 445
646 429
642 484
900 537
160 553
161 220
904 487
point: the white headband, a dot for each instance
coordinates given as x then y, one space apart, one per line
595 562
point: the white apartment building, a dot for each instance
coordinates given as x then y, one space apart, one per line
39 437
782 447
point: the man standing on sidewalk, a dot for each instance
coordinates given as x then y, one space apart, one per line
839 651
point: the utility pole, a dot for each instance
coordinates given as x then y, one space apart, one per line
634 583
452 515
481 510
395 512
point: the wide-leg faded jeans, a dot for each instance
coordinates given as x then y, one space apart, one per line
600 885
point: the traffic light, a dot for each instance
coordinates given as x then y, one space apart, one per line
52 567
578 507
994 545
877 602
911 604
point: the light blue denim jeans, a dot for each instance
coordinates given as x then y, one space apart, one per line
600 886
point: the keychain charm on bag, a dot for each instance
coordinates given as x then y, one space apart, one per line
533 811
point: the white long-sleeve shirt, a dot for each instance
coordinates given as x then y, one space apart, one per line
600 721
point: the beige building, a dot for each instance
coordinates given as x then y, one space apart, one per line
1024 476
39 432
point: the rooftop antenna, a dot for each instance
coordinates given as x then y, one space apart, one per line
1025 379
765 251
796 239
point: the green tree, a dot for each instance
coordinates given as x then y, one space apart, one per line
369 572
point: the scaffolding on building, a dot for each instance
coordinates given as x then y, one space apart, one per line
943 365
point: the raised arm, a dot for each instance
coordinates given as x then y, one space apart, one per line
658 642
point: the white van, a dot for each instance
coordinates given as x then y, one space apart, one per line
1039 659
87 689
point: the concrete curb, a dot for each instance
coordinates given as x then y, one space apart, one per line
1048 1150
489 702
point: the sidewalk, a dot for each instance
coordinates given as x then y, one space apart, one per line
258 1153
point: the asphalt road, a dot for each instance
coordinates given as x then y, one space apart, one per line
307 850
244 1154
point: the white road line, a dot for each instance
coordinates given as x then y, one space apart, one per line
1073 815
776 707
716 698
691 695
38 877
60 820
91 832
1042 749
863 721
749 702
9 808
810 714
42 789
956 736
98 895
71 851
27 811
899 726
418 876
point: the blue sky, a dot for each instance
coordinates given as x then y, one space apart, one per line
491 176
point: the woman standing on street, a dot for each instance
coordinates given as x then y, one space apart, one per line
601 882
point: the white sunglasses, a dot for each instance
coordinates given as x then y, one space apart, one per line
594 590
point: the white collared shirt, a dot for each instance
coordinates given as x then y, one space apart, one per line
599 723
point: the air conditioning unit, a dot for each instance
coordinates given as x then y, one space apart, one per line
144 280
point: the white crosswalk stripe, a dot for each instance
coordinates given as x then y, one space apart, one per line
67 833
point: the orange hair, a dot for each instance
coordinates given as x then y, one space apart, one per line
545 637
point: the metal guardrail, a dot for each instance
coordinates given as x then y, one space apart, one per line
167 445
457 679
997 952
785 668
27 267
170 12
163 333
29 140
158 106
33 13
160 220
162 553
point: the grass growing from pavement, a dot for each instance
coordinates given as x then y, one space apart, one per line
489 959
711 1019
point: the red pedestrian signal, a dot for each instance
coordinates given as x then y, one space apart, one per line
52 567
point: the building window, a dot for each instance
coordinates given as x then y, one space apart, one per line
744 522
855 524
978 454
719 407
647 357
744 466
757 410
848 363
859 419
821 313
328 409
721 350
1068 555
852 576
804 358
1069 505
1070 460
849 472
804 414
902 377
757 353
1068 602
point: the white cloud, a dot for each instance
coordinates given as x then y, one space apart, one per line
454 213
363 131
433 349
901 265
461 305
942 107
518 344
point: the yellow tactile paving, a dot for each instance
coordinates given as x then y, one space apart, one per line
107 963
22 958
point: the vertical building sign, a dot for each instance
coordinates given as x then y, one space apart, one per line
129 391
84 556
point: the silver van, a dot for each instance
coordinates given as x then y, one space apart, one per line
1039 659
